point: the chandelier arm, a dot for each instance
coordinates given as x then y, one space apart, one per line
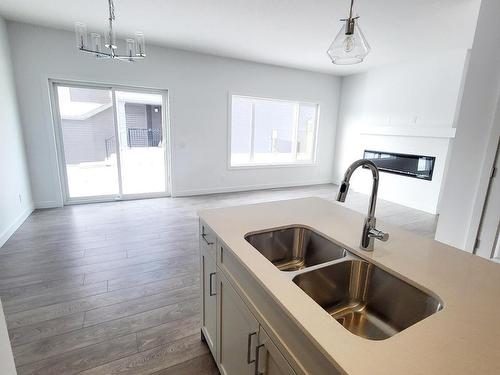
125 57
100 53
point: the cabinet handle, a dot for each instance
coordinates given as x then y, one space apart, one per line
257 359
210 291
204 236
248 347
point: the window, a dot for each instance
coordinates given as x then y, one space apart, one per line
272 132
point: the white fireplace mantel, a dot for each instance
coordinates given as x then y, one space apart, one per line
410 131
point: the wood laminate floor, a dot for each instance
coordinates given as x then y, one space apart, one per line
113 288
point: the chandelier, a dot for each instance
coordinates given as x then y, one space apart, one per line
135 47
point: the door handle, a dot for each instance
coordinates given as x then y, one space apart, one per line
257 359
249 345
210 286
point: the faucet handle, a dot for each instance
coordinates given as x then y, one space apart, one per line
378 234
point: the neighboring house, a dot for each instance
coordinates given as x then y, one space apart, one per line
89 134
85 140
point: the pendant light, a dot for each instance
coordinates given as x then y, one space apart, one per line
350 46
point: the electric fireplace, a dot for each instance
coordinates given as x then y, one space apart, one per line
416 166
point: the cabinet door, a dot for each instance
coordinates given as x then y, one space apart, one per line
269 360
209 299
237 332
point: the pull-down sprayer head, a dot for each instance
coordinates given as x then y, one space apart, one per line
343 189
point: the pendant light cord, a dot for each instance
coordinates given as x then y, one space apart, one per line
350 10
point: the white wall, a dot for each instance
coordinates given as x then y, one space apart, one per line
198 87
420 95
473 149
15 195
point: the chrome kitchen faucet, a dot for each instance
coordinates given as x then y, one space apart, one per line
370 233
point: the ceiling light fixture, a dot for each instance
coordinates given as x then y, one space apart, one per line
135 48
350 45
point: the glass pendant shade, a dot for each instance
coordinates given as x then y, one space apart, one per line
96 42
350 45
130 43
140 44
81 35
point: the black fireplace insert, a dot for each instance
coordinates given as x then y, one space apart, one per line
417 166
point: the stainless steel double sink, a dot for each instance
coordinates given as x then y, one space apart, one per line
363 298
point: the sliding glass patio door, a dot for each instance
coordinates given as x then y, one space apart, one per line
112 142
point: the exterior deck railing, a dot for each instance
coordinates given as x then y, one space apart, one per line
136 137
143 137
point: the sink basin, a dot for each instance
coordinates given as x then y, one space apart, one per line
365 299
295 248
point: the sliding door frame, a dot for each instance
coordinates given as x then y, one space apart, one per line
58 133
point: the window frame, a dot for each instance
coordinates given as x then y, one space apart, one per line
297 163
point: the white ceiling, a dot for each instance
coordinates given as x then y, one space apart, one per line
293 33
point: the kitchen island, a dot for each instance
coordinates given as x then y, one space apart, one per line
256 318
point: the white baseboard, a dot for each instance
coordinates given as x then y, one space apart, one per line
234 189
47 204
5 235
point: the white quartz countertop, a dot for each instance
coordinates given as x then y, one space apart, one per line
462 338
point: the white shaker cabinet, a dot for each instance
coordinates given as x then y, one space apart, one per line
237 332
208 281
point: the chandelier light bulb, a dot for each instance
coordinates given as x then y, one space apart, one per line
349 43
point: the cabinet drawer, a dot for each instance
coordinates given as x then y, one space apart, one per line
227 262
207 240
